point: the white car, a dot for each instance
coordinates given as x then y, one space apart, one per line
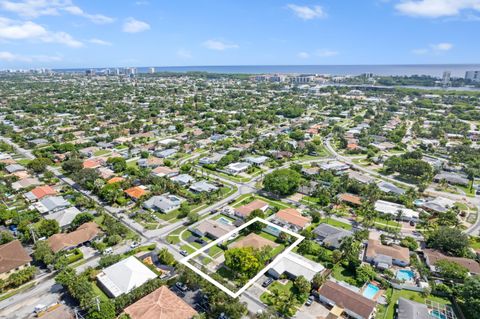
134 245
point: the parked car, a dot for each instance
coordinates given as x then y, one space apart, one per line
183 253
200 241
134 244
108 251
310 300
267 282
181 286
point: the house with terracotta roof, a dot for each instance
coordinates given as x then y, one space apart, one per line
40 192
93 163
161 304
432 256
136 192
164 171
383 256
350 199
292 219
253 240
65 241
345 301
13 257
116 179
245 210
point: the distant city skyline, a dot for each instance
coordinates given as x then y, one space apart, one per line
83 34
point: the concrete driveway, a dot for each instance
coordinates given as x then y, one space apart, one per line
315 311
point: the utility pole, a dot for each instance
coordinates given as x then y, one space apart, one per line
32 232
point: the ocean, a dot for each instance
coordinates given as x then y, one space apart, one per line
435 70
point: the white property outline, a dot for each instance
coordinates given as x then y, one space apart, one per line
228 235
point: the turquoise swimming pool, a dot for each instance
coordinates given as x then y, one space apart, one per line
406 275
370 291
437 314
224 220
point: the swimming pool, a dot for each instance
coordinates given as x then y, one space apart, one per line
438 314
225 221
406 275
370 291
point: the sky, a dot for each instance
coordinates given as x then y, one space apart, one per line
115 33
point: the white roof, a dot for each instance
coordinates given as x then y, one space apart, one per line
124 276
298 266
64 217
393 208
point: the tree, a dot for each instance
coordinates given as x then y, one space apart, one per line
118 164
47 227
106 310
245 261
451 270
409 242
43 253
111 192
255 227
193 217
470 292
81 219
72 165
6 237
165 257
302 285
449 240
282 181
365 273
318 280
39 165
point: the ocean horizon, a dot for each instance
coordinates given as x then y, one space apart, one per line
435 70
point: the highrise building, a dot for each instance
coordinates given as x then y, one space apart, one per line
446 77
473 76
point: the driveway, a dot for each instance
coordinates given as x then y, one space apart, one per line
315 311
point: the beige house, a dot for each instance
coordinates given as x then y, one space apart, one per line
13 257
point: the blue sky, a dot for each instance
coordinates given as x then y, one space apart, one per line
81 33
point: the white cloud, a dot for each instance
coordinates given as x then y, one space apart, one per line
100 42
11 57
306 12
325 53
184 54
444 46
28 30
132 25
36 8
303 55
436 8
219 45
437 48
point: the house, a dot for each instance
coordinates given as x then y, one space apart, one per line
124 276
390 188
308 189
65 241
116 179
409 309
13 257
51 204
26 183
383 256
291 218
182 179
432 256
203 186
260 160
164 171
436 205
136 192
166 153
105 172
294 265
40 192
361 178
212 229
64 217
253 240
164 203
451 178
93 163
89 151
151 162
330 236
12 168
160 304
396 210
310 171
350 199
334 166
213 159
346 301
245 210
237 168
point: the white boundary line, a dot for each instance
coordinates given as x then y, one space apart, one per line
228 235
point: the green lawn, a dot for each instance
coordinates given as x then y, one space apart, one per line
101 152
188 249
411 295
99 292
11 293
475 242
336 223
132 163
342 274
